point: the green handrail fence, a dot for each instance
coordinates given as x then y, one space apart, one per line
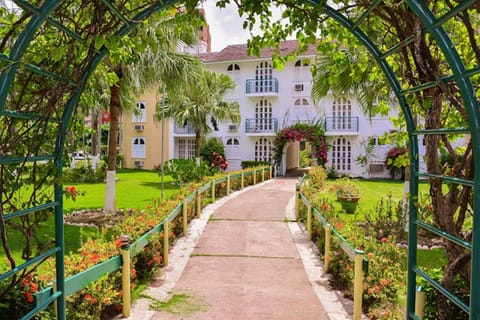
357 256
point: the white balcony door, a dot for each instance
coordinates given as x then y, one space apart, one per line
342 114
264 116
263 77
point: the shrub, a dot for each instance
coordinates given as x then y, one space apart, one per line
186 170
318 177
305 158
83 172
253 163
212 152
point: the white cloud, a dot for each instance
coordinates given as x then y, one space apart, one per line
226 25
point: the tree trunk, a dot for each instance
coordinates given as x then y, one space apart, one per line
109 205
198 141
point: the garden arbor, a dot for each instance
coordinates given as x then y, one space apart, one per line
50 48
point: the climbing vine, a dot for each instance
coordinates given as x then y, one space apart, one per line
312 133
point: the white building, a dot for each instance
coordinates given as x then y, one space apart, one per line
271 100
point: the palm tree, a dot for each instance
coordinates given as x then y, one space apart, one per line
201 104
146 64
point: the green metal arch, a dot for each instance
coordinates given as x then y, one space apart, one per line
460 75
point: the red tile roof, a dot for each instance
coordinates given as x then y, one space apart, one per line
239 52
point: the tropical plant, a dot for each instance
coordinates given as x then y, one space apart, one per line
201 104
138 63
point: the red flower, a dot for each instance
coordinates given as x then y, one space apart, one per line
383 240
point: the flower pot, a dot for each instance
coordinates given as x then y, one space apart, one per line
345 198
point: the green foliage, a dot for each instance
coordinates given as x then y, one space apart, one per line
346 187
186 170
209 146
305 159
83 172
460 289
252 163
312 133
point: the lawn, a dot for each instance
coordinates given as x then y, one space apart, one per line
134 189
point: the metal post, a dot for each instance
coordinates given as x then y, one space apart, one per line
358 287
126 299
309 222
328 237
185 218
165 243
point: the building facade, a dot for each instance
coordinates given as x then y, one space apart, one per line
269 100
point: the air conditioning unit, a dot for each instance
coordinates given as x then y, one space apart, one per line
138 163
232 127
299 87
139 127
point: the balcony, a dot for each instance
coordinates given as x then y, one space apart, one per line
341 126
261 87
261 126
183 131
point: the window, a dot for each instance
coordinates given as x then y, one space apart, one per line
185 148
341 154
301 102
263 116
302 63
263 77
141 112
342 114
263 150
138 148
233 67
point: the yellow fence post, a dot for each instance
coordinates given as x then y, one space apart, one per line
420 303
199 204
270 172
126 300
358 287
228 184
263 174
242 184
297 201
185 218
166 228
213 190
309 222
254 176
328 237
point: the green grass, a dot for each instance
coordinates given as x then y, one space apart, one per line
134 189
371 191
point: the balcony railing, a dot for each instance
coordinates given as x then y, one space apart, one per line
262 86
341 125
177 129
261 125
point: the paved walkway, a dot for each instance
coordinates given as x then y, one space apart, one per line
242 260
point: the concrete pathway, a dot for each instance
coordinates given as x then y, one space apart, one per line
243 259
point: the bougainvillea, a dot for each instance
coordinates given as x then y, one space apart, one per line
303 131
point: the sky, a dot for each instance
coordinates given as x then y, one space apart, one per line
226 26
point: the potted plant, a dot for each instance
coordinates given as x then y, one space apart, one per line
348 194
